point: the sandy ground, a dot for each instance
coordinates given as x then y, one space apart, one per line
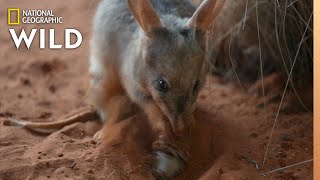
230 135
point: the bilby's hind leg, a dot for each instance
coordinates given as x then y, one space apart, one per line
119 107
105 87
104 84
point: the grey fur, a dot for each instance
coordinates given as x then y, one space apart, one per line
140 52
117 38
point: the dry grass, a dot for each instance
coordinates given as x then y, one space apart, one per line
275 41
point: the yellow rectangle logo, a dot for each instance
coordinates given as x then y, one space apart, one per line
10 11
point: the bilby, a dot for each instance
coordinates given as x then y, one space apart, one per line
153 53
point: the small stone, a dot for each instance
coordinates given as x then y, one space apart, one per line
286 145
283 155
253 135
60 155
286 137
298 175
90 171
220 171
52 89
282 162
45 115
25 81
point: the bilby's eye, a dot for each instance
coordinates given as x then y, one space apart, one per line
196 86
162 86
184 32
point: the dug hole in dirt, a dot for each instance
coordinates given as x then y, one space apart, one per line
229 139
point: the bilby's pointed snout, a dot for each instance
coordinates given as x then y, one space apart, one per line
181 104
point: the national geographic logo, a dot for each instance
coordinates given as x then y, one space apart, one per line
17 16
33 16
13 16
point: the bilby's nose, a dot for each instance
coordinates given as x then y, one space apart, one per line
181 104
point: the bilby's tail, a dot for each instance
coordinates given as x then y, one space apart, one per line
82 115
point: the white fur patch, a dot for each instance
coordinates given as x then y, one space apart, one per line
103 115
96 67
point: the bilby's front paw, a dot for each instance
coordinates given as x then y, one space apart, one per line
98 136
169 159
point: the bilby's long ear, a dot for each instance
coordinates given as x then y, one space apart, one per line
204 16
145 15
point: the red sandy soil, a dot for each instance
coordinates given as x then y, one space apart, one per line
42 85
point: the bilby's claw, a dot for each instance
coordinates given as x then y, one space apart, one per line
166 166
169 159
98 136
